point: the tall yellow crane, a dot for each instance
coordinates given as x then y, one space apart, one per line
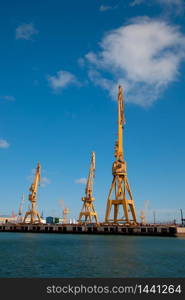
32 212
122 192
88 210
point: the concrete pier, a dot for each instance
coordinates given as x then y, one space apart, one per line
147 230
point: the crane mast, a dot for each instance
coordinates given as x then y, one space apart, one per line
88 210
120 186
32 212
121 123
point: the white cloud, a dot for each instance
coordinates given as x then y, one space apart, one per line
105 7
4 144
178 5
61 80
7 98
105 83
26 31
165 2
44 181
168 2
81 181
136 2
144 56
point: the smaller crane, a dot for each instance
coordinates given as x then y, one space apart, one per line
88 210
32 212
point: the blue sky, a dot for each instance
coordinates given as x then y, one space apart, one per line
60 65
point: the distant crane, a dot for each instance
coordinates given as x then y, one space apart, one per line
19 217
65 212
13 214
32 212
182 218
154 215
88 210
122 193
143 212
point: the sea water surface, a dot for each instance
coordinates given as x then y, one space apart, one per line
77 255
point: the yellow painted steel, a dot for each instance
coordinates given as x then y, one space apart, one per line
32 212
120 186
88 210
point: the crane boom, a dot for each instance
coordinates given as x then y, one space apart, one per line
121 122
34 187
89 185
119 165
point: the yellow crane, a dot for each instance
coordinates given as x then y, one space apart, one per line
32 212
88 210
122 192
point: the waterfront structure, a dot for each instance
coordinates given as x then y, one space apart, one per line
109 229
8 219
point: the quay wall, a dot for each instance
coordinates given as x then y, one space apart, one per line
160 230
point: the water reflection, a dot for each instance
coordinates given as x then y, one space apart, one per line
54 255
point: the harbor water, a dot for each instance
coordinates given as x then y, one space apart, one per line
77 255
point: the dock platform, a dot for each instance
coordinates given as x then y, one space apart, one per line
146 230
